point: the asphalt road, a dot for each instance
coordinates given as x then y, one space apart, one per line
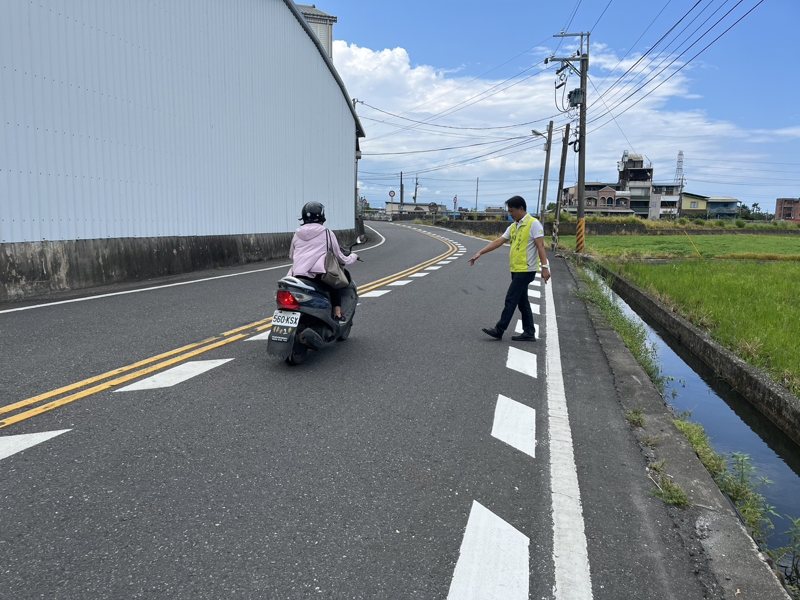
398 464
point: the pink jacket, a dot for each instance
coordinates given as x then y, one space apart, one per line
308 249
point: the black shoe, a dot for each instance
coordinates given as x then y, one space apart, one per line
524 337
498 335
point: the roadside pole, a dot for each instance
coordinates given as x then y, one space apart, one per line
543 200
578 98
564 145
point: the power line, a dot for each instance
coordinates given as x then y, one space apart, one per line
679 68
601 16
443 149
391 114
664 54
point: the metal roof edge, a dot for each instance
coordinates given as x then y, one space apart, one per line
299 16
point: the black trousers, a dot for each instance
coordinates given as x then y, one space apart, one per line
517 297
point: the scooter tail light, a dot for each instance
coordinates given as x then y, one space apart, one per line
287 300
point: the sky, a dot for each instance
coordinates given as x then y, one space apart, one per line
449 93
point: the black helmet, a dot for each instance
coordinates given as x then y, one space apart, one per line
313 212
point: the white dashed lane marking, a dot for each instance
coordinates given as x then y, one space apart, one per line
535 309
260 337
419 275
174 375
433 268
519 360
375 294
11 444
401 282
515 424
534 294
493 560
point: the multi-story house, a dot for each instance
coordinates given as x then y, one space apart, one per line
787 209
638 180
665 200
601 199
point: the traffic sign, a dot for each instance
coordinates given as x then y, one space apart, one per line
391 193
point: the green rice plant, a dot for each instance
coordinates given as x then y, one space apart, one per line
684 246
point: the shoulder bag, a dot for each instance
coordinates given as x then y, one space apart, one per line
334 275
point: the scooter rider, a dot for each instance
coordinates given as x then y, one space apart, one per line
309 246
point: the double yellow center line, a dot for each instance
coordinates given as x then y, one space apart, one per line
67 394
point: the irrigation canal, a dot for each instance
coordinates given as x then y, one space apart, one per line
731 422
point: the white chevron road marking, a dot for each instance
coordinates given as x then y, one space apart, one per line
11 444
493 560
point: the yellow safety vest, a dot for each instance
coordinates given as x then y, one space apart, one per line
520 238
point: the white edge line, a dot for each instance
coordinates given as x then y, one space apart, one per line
570 554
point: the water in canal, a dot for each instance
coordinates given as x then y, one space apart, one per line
731 423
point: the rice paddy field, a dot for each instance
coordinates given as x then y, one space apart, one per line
743 289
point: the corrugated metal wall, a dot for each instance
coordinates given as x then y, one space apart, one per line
148 118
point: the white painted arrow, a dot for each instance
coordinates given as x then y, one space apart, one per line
11 444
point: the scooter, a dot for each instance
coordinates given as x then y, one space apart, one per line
304 318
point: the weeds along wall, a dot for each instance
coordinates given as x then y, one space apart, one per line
137 132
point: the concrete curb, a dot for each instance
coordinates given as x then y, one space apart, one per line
771 399
727 560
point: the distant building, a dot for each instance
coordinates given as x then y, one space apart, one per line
664 200
708 207
634 193
693 205
722 207
321 24
638 180
787 209
395 208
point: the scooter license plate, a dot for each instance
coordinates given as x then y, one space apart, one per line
284 318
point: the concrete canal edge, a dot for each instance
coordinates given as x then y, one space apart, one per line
771 399
726 559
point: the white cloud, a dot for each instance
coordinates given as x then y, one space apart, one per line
669 119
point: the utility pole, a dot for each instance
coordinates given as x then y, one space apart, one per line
401 192
539 191
477 180
416 187
578 98
543 201
564 145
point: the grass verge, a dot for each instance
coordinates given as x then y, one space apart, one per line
633 334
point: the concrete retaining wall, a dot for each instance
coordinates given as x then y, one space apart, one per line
35 269
770 399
